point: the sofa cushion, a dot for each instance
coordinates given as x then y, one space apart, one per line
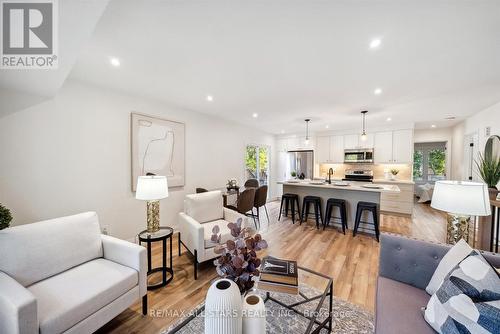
468 300
33 252
399 308
204 207
225 232
71 296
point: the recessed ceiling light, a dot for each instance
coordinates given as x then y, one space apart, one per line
377 91
114 61
450 118
433 125
255 115
210 98
375 43
327 126
388 119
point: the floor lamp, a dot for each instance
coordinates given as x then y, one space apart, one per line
461 200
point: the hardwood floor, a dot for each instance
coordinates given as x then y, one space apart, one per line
352 262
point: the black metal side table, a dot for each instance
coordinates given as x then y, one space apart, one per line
162 235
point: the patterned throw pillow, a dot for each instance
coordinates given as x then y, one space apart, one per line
468 301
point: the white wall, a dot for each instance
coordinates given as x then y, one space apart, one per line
457 152
72 154
478 123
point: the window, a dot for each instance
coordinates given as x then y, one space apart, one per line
429 162
257 163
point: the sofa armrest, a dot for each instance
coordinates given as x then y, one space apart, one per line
18 307
192 233
409 260
232 216
129 255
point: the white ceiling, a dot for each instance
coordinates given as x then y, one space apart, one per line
23 88
288 60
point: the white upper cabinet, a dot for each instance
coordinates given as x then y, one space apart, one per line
351 141
281 144
402 146
322 151
382 152
337 149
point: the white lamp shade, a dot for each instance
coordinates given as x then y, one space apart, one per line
462 198
151 188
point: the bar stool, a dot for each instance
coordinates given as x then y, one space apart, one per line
341 204
290 200
368 206
316 202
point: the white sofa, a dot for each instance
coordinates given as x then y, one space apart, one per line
63 276
201 213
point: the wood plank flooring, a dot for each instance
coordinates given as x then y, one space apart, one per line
352 262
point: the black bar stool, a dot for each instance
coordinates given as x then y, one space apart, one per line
290 200
368 206
341 204
316 202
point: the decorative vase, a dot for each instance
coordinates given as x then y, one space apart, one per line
223 308
393 177
253 315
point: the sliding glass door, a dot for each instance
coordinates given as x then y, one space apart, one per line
429 162
257 163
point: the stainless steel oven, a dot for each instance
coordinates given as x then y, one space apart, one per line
362 155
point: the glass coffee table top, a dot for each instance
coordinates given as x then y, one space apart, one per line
308 312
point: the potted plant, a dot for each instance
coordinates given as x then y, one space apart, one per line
294 174
489 170
232 185
394 173
5 217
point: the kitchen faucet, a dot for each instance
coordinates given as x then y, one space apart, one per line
330 173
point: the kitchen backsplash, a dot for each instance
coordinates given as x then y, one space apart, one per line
405 171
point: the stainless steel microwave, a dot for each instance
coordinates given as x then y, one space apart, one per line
362 155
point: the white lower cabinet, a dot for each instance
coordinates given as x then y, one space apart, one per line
401 203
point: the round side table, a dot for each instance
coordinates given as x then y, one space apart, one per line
162 235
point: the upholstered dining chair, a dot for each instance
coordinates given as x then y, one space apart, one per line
251 183
245 203
260 201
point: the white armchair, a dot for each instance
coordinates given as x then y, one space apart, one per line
63 276
201 213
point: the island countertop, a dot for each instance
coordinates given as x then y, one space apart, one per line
353 186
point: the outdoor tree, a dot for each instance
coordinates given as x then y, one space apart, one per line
437 158
417 164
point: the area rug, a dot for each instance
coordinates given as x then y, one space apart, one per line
347 317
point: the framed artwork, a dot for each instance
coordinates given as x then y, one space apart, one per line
157 147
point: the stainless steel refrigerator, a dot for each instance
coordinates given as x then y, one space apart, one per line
301 162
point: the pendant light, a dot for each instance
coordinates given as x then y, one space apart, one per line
307 130
363 134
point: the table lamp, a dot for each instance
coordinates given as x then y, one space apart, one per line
152 188
461 200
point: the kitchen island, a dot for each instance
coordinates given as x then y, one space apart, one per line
352 193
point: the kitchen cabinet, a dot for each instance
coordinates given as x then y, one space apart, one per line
382 152
394 147
337 149
322 151
402 146
401 203
281 144
351 141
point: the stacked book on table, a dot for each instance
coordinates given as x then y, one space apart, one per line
279 276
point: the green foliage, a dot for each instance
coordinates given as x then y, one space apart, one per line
5 217
418 158
489 169
437 159
394 171
251 159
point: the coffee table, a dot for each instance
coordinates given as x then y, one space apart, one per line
305 313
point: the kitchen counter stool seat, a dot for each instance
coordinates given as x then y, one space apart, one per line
330 205
316 203
368 206
290 200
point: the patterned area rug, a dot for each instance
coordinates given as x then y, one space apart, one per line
347 317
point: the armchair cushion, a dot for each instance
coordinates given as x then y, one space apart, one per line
225 232
204 207
37 251
73 295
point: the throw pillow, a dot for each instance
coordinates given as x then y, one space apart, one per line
456 254
468 301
